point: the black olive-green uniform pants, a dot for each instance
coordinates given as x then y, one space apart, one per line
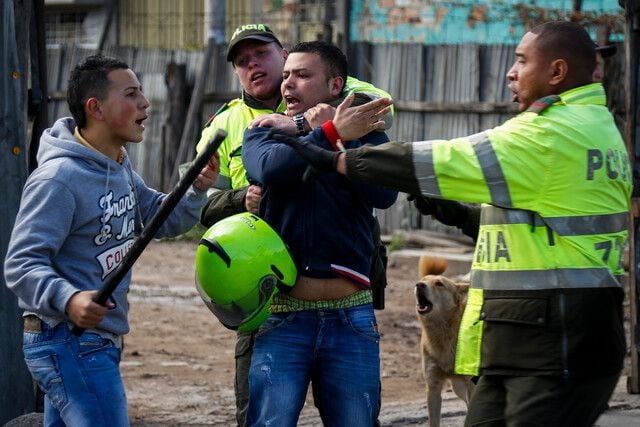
544 401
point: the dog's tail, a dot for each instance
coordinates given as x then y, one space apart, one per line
431 265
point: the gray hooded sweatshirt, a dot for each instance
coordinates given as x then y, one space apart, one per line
79 214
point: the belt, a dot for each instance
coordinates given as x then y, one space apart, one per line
32 324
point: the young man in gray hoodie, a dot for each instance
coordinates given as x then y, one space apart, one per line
80 212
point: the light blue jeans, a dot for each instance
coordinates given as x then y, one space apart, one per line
336 349
79 376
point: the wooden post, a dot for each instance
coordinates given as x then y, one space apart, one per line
327 27
113 6
632 137
17 395
176 80
188 139
344 41
577 5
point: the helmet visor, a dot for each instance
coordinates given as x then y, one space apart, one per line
232 315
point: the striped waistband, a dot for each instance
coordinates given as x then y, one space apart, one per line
283 303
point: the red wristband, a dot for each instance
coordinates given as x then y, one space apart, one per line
332 134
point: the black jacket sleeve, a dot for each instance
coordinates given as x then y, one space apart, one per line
221 204
387 165
464 216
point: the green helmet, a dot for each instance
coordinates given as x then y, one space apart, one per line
241 263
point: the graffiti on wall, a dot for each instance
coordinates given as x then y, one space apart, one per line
467 21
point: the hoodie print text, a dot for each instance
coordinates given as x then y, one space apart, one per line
124 208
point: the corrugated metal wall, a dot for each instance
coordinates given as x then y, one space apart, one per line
443 77
441 91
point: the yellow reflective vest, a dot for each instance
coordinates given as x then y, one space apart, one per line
556 183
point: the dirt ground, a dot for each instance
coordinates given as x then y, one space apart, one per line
178 360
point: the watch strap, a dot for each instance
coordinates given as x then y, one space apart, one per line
298 119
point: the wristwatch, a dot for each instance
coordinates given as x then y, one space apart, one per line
298 119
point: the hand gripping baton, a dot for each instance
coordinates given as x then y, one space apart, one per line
168 204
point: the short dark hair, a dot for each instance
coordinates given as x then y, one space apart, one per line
89 79
333 58
568 41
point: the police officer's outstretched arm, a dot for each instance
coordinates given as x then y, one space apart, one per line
393 162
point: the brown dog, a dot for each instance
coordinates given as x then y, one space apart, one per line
440 303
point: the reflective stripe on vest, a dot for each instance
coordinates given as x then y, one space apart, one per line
493 175
470 337
545 279
564 225
519 249
425 172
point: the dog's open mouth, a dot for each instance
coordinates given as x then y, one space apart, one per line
424 305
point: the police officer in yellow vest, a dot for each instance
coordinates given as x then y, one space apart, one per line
258 60
543 326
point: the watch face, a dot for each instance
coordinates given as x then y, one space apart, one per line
298 119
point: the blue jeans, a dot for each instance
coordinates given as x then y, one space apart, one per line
336 349
79 376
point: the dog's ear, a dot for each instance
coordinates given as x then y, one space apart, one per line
463 288
462 292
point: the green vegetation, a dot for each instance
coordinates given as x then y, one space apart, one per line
398 241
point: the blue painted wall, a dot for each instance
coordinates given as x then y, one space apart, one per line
467 21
